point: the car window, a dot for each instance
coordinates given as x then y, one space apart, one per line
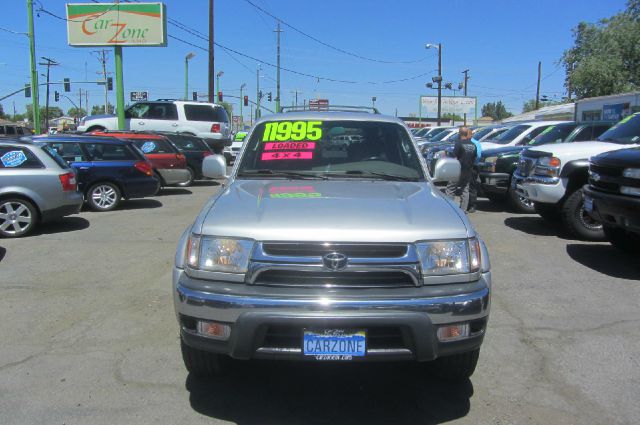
626 131
584 134
162 111
139 110
552 134
153 146
53 154
482 132
70 152
188 144
19 130
109 152
509 135
599 129
18 158
205 113
315 147
10 129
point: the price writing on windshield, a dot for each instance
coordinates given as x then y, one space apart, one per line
273 156
283 131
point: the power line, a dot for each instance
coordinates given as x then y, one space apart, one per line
92 18
338 49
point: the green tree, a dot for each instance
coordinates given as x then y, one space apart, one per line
99 109
228 107
76 112
495 110
54 112
450 116
605 58
2 115
530 105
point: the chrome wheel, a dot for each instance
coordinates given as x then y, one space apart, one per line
587 221
16 218
104 197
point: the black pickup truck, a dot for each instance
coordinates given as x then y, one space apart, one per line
613 196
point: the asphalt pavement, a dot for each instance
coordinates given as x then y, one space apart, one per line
89 335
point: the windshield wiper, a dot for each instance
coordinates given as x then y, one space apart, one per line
281 173
384 176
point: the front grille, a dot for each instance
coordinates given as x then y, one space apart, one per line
350 250
334 279
605 186
605 171
526 166
378 337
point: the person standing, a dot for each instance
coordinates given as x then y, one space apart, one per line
465 152
475 183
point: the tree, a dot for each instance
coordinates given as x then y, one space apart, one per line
228 107
530 105
99 109
450 116
76 112
605 58
2 115
54 112
495 110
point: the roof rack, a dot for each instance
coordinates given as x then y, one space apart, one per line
334 108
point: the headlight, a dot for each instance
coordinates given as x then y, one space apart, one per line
490 163
218 254
548 166
449 257
632 173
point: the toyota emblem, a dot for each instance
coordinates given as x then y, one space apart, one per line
335 261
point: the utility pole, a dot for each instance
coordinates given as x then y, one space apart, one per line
48 64
80 95
258 93
103 61
538 89
211 95
242 86
466 80
278 31
35 104
439 81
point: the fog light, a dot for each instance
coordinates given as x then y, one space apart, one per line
453 333
214 330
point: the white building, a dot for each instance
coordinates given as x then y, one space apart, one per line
607 108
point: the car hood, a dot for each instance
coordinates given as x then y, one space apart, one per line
579 150
333 211
504 150
619 158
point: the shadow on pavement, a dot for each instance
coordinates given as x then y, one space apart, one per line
605 259
486 205
62 225
168 191
205 183
537 226
280 393
136 204
3 252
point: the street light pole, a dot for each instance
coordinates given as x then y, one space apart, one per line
241 102
258 93
48 64
439 77
186 74
218 75
466 80
35 104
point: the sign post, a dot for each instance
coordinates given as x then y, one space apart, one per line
117 25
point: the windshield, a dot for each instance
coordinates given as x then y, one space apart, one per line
553 134
319 149
422 131
625 132
441 135
509 135
434 132
482 132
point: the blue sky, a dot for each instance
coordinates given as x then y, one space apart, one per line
499 41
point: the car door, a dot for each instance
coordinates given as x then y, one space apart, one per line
77 158
161 116
136 115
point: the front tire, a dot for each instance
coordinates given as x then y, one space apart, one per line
622 240
18 217
103 196
578 221
202 363
520 203
456 367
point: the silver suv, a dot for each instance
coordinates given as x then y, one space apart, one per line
36 186
308 253
207 120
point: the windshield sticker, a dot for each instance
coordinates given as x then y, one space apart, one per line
297 146
272 156
279 192
148 147
13 159
548 129
284 131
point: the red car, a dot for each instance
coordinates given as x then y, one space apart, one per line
169 165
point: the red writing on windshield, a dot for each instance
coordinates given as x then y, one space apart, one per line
296 146
272 156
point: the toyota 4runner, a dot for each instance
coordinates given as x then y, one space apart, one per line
313 253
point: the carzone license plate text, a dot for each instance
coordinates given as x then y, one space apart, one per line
334 344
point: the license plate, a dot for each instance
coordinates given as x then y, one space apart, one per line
334 344
588 204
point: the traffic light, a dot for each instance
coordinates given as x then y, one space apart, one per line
246 101
430 85
56 96
219 96
194 95
269 97
67 85
109 83
27 90
447 86
460 86
260 95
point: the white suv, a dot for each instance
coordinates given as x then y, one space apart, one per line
206 120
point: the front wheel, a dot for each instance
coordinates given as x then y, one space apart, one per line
457 366
622 240
202 363
520 203
103 196
18 217
578 221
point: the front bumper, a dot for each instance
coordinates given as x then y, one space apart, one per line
172 176
497 183
548 190
613 210
251 313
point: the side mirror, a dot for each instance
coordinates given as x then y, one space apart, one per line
214 167
446 170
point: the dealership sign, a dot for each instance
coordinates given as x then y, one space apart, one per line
116 24
450 104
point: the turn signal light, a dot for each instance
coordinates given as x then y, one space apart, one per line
144 167
214 330
453 333
554 162
215 128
